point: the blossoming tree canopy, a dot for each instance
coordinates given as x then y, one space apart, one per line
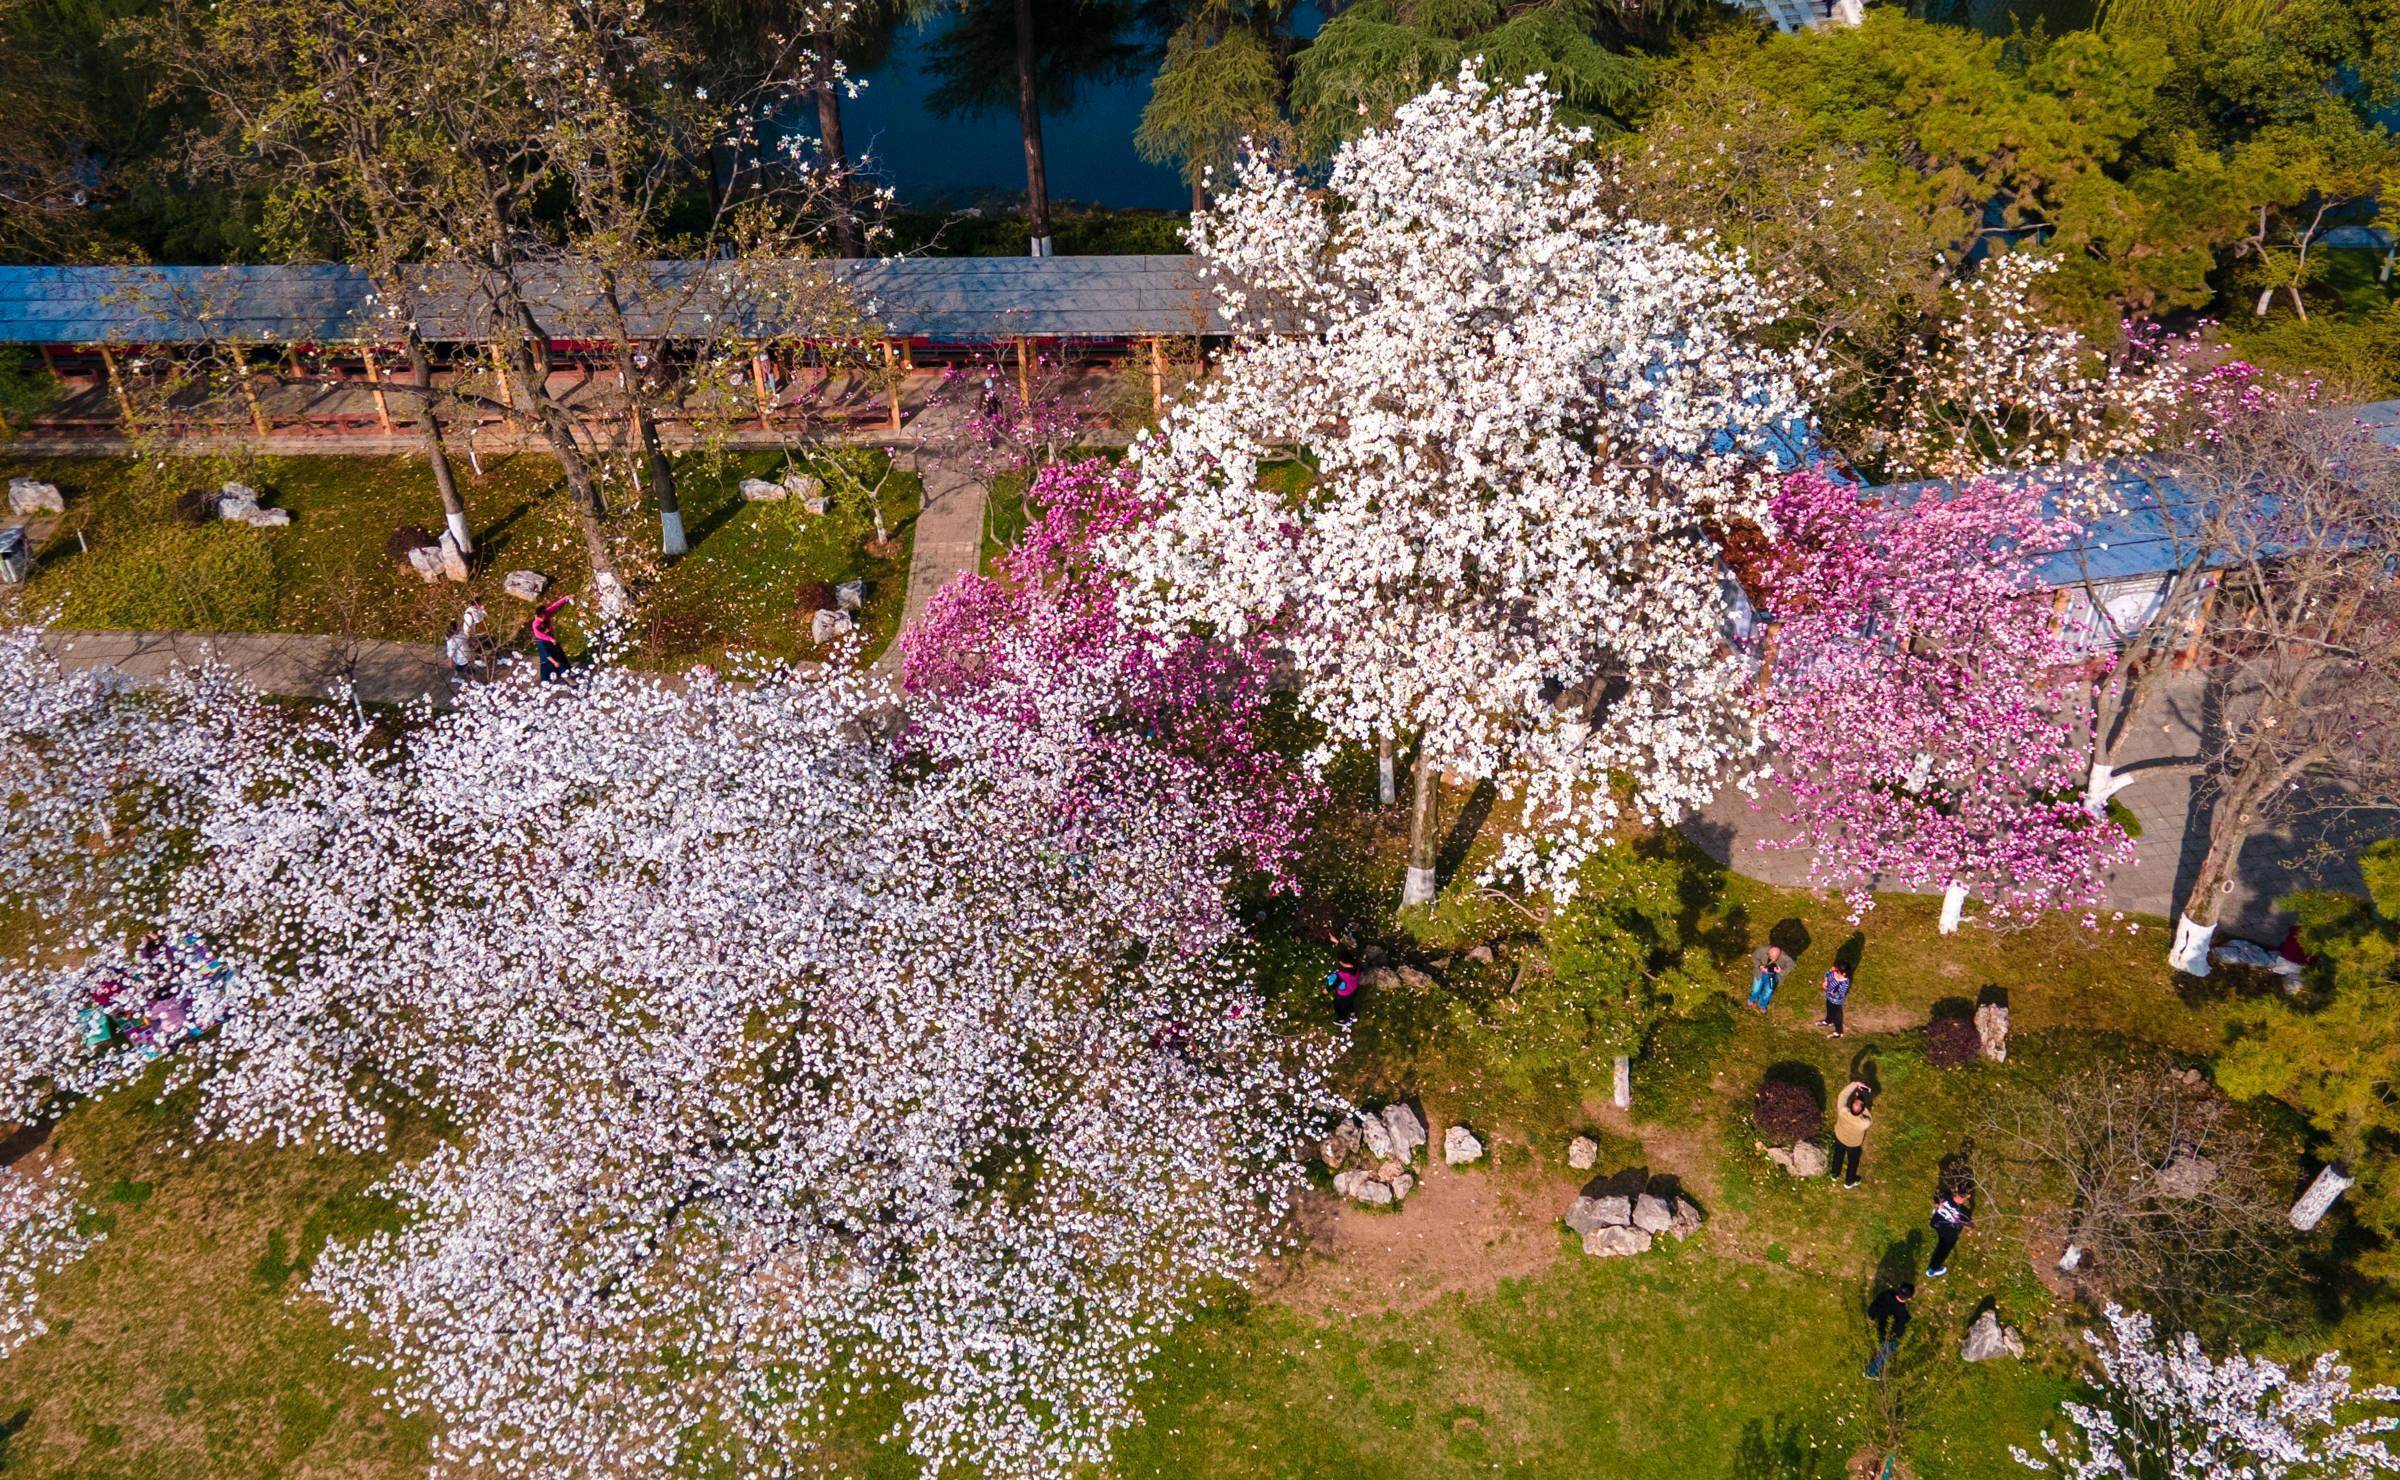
1049 620
792 1062
1524 413
1920 719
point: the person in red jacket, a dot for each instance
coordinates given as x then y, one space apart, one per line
552 658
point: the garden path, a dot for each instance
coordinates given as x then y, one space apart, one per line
949 537
306 665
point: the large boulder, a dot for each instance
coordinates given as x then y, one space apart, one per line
1589 1213
32 496
1615 1243
1376 1135
807 488
1408 1132
1583 1153
1987 1339
1801 1158
1360 1187
426 561
760 491
1402 1185
525 585
451 560
1991 1031
1459 1146
850 596
1652 1214
825 626
1686 1219
1339 1147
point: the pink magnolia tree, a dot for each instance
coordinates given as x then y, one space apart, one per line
1004 644
1922 730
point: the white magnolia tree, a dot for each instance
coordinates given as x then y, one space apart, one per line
40 1213
2171 1410
805 1051
1525 414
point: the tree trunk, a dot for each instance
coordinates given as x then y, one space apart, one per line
437 454
846 236
608 591
1621 1089
1954 903
1199 195
2104 784
1419 888
654 458
2319 1199
2196 929
1387 773
1029 122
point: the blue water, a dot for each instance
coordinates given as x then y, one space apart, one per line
940 161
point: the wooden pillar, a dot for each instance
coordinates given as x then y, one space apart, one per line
500 371
1158 378
891 380
383 410
1025 371
241 372
758 385
116 384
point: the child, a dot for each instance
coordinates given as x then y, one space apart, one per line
1343 982
1837 992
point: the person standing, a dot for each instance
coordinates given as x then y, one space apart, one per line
1889 1311
461 654
1953 1215
1837 992
1851 1121
1342 981
1771 964
551 658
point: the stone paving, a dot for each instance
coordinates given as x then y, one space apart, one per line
305 665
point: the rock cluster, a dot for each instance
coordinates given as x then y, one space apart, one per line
1987 1338
32 496
1801 1158
525 585
1629 1223
810 491
237 503
826 625
1370 1155
440 561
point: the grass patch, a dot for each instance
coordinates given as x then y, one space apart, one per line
122 559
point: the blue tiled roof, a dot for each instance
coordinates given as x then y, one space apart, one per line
960 300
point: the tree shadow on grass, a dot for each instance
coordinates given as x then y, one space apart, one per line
1463 829
1781 1448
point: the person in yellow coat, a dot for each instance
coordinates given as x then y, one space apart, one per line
1852 1119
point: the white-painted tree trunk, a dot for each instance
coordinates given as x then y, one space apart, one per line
2310 1210
2105 783
2190 952
1621 1094
1387 773
670 533
1419 887
456 520
2071 1260
1954 903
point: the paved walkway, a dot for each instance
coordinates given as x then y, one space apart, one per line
949 536
305 665
2322 853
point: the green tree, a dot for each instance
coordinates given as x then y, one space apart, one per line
1217 87
1617 957
1378 54
2333 1053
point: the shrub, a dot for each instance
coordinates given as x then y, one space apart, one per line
1952 1043
406 538
1785 1112
195 506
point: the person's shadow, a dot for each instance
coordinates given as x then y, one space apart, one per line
1790 936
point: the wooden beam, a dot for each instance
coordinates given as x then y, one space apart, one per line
383 410
116 384
758 386
241 371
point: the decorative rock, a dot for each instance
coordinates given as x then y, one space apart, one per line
1415 980
850 596
2186 1175
451 560
1801 1158
1583 1153
1589 1213
426 561
525 585
1481 953
1378 1137
1460 1147
1408 1132
1686 1219
1339 1147
1359 1187
1403 1185
32 496
760 491
268 518
807 488
825 626
1991 1025
1987 1338
1614 1242
1651 1214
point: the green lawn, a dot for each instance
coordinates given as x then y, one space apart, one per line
122 559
